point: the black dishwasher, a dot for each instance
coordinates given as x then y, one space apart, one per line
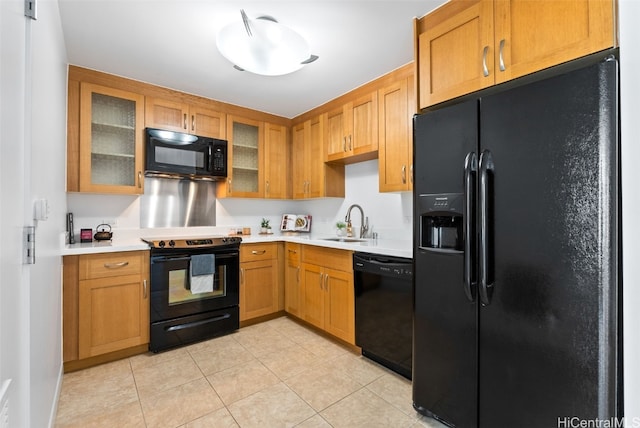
384 309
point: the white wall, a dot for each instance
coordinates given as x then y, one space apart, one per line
629 13
33 123
390 214
47 134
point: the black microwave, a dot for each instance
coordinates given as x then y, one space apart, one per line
175 154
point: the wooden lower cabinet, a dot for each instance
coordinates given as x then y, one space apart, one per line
327 291
292 280
105 304
258 280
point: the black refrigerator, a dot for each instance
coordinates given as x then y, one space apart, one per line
517 249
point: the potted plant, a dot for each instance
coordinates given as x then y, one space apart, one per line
341 228
265 227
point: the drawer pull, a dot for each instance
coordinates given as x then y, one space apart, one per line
258 252
144 288
293 251
116 265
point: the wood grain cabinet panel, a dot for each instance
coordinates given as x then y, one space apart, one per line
395 152
292 285
352 130
312 177
177 116
328 294
258 280
105 303
467 45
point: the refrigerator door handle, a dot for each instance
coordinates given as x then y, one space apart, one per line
470 171
486 167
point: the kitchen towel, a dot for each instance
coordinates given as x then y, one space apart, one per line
201 275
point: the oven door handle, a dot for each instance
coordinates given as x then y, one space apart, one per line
197 323
170 259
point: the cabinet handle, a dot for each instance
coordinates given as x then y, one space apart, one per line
139 179
326 281
344 144
350 143
404 174
485 70
411 173
502 67
193 122
241 275
144 288
229 186
321 280
185 121
298 275
267 187
293 251
256 252
116 265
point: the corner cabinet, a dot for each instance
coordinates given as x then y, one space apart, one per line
396 105
105 307
105 140
312 177
177 116
352 130
464 45
328 299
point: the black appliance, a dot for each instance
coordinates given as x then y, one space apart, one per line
194 289
174 154
517 254
384 300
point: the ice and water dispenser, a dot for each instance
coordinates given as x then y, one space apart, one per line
441 222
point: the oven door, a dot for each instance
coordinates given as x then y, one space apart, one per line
174 293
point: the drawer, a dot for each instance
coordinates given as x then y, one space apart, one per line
251 252
328 257
292 253
106 265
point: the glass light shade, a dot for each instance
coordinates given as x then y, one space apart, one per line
271 50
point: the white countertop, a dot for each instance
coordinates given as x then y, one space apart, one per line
130 240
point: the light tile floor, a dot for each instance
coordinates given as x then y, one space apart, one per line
275 374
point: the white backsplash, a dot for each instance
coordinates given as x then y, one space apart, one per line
390 214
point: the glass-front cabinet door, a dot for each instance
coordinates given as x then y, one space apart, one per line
245 177
111 140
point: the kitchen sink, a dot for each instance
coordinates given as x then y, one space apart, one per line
344 239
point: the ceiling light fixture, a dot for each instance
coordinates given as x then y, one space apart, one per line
263 46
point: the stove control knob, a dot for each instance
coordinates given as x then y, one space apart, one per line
161 244
172 243
225 239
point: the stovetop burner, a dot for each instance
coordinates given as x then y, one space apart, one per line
192 241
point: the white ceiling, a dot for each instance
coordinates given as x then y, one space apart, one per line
171 43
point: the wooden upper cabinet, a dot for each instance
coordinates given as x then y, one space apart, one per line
352 130
455 50
105 148
182 117
395 152
245 159
276 162
467 45
533 35
312 177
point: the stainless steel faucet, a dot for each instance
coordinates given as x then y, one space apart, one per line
364 221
